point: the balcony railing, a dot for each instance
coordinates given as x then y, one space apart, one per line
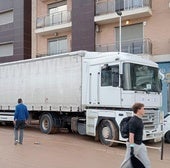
110 6
138 46
52 53
57 18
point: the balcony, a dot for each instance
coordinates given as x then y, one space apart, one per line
138 46
131 9
58 22
52 53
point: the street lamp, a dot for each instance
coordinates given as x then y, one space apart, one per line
119 13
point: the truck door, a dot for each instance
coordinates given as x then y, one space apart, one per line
109 92
94 77
104 87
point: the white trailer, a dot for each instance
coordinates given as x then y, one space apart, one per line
87 92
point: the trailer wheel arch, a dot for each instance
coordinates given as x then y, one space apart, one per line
167 137
107 128
47 124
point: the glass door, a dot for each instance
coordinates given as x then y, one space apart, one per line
57 13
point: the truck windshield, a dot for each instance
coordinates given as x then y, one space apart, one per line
141 78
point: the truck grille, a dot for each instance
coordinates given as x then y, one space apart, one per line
151 119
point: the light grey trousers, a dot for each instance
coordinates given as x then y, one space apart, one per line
140 152
21 134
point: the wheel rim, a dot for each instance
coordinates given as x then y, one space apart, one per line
45 124
106 132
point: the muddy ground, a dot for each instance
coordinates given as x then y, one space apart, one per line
65 150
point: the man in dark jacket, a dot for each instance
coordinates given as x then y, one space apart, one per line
20 118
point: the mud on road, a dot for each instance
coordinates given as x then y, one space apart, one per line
65 150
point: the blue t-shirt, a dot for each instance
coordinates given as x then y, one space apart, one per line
21 112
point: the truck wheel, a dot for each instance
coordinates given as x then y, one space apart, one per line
47 124
167 137
107 130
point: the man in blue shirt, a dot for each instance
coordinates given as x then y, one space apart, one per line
20 118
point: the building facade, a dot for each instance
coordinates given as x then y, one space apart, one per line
57 26
94 25
15 30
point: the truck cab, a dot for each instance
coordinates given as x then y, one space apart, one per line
114 83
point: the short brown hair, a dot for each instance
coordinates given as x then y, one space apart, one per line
19 100
137 106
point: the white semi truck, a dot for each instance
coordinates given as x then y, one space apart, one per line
87 92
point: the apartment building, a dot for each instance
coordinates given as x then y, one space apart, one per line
15 30
94 25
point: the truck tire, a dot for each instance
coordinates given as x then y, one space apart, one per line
107 130
47 124
167 137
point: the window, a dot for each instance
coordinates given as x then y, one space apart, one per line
6 17
57 12
141 77
119 5
110 75
132 38
6 49
57 45
128 4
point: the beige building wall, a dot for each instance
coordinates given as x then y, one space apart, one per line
105 35
33 39
157 27
41 8
40 42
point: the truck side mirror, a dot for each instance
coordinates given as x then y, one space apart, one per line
106 67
